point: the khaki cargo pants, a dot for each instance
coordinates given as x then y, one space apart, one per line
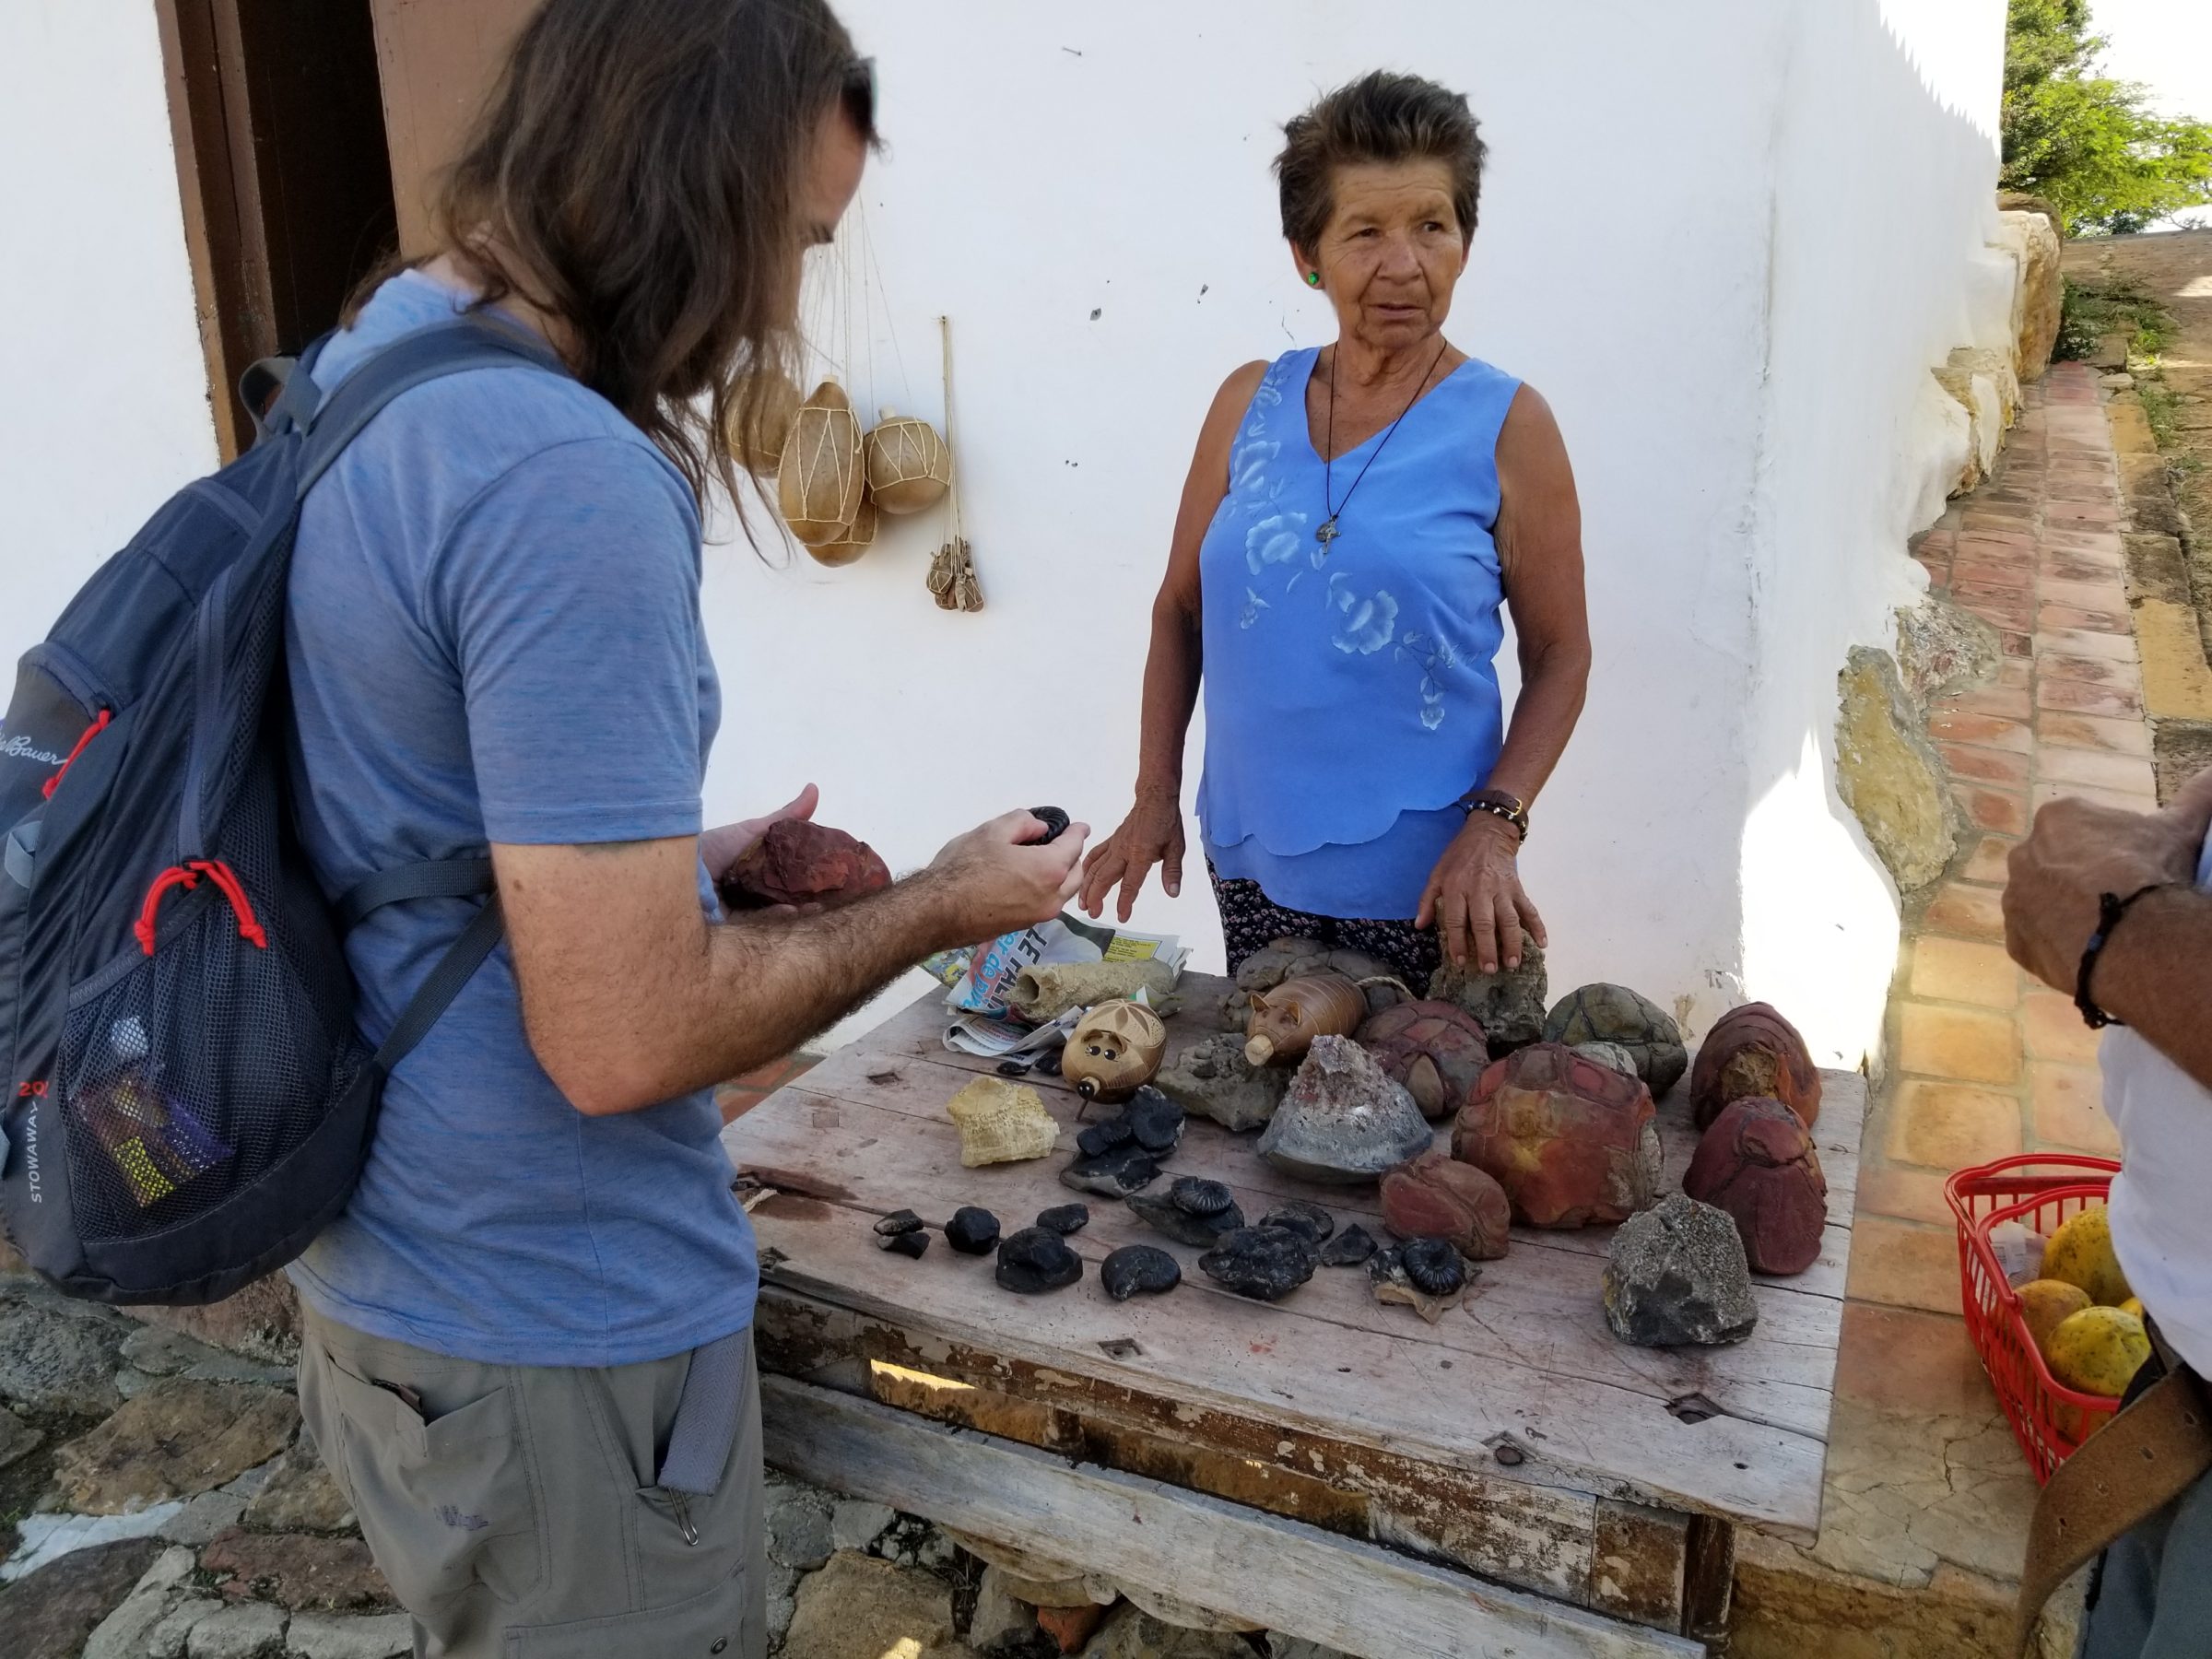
514 1511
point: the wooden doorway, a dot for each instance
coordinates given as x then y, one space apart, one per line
278 117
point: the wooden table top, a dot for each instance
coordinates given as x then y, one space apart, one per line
1738 1433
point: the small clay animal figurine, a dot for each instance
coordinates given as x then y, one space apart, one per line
1573 1142
1604 1013
1113 1049
1758 1162
1436 1049
1264 1263
972 1231
1136 1269
1191 1211
1436 1197
818 480
1753 1051
1284 1021
1035 1260
1001 1123
799 861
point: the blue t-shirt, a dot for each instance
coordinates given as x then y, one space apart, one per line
495 636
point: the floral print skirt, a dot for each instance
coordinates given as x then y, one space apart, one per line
1250 920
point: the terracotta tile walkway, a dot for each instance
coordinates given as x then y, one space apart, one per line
745 1093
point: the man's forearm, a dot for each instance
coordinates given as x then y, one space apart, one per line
2156 974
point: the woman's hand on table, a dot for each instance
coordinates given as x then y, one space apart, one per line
1474 899
1151 834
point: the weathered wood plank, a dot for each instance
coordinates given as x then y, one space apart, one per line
1356 1597
1637 1564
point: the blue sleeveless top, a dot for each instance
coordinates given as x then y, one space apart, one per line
1350 697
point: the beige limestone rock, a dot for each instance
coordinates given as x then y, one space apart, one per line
859 1607
1887 772
2041 291
178 1438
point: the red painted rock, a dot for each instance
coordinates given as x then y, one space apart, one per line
1436 1049
1758 1163
1436 1197
1754 1051
801 862
1573 1142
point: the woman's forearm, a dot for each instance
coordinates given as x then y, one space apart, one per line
1552 686
1171 669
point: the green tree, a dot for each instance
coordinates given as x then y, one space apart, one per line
2087 143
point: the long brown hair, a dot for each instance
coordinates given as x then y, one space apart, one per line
639 160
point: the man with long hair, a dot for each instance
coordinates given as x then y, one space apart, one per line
527 1359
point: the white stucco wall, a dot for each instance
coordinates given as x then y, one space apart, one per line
1725 241
103 391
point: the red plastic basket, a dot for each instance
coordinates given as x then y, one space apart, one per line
2040 1190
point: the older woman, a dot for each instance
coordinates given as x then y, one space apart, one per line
1355 520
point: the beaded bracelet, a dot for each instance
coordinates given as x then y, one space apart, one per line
2111 907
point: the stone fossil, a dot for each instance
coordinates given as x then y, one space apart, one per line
1573 1142
1114 1173
1616 1014
1342 1120
1191 1211
1212 1078
1036 1259
1436 1197
1001 1123
1752 1051
1064 1219
1437 1050
800 862
1264 1263
1348 1248
972 1231
1677 1274
1136 1270
1309 1219
1758 1162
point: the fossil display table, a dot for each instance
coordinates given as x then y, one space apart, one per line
1511 1478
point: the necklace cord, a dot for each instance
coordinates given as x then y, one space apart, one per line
1328 462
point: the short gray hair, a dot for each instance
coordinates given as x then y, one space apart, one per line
1378 117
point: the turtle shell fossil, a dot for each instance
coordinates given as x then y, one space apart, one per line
1436 1049
797 861
1573 1142
1136 1270
1436 1197
1037 1259
1001 1123
1264 1263
1753 1051
1758 1162
1604 1013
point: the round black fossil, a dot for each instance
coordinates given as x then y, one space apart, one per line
1300 1216
1013 1068
1155 1122
1047 1064
1194 1196
1434 1265
1104 1136
1139 1267
972 1231
1191 1211
1114 1173
899 1221
1348 1248
1264 1263
905 1244
1064 1219
1052 819
1037 1259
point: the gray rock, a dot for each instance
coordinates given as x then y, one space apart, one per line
1280 1646
164 1353
18 1438
205 1518
122 1634
249 1485
1603 1013
48 1614
1677 1274
1001 1623
1508 1005
1211 1078
56 1360
358 1636
300 1496
1289 958
1942 649
1129 1632
1609 1054
782 1601
243 1630
855 1524
171 1637
799 1534
1342 1119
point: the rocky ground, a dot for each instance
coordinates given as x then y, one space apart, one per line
157 1500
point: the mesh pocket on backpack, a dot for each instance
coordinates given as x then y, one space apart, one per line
188 1076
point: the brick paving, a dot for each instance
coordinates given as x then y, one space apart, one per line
741 1095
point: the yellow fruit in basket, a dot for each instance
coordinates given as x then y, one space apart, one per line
2046 1304
2081 1253
2099 1350
2134 1304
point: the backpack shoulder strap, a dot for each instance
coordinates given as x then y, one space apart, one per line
431 878
336 418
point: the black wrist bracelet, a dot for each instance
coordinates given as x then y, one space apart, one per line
2111 907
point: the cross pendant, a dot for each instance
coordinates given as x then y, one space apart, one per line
1327 533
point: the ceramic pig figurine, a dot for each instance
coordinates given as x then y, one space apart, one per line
1114 1049
1284 1021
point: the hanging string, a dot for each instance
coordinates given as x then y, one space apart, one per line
890 323
952 494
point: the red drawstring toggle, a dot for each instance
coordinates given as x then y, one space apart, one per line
224 877
92 731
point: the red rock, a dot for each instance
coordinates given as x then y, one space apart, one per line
1753 1051
321 1574
1436 1049
801 862
1758 1162
1071 1627
1436 1197
1573 1142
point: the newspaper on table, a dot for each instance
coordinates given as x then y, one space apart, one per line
979 978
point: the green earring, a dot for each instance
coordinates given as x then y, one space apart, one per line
1314 278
